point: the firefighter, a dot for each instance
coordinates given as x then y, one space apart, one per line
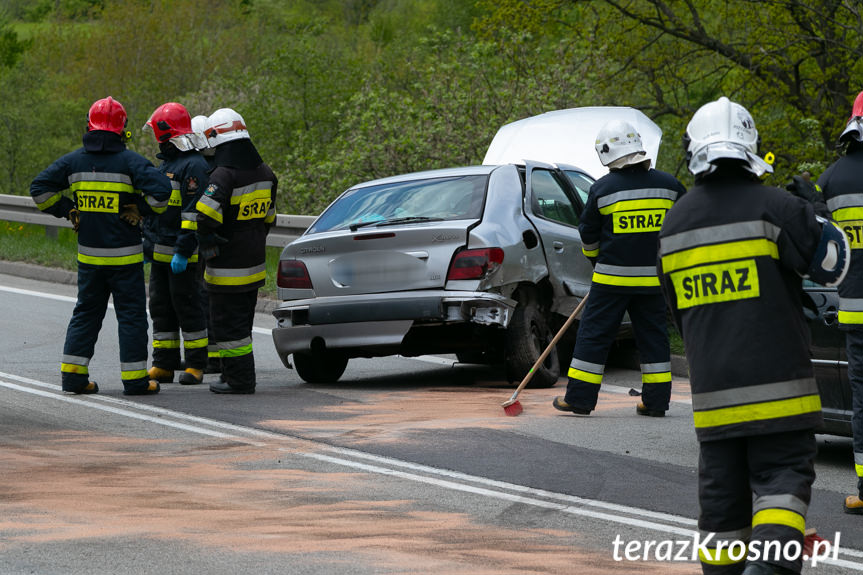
234 215
199 125
619 229
733 253
112 187
842 185
175 282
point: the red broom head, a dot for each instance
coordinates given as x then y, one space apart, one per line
513 409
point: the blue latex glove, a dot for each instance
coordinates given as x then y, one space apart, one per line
178 263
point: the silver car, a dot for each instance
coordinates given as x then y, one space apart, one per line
483 262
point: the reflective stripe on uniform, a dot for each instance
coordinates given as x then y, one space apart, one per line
235 276
625 275
195 339
133 370
586 371
210 208
723 539
782 517
755 403
781 501
850 310
74 364
189 220
166 339
845 201
101 182
157 206
590 250
719 234
176 199
858 464
656 372
644 198
235 348
164 254
256 191
735 250
111 256
46 200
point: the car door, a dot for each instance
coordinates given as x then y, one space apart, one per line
554 209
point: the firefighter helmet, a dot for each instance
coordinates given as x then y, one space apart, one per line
619 144
199 127
225 125
854 127
171 123
107 114
722 129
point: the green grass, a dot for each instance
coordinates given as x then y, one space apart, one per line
675 340
30 243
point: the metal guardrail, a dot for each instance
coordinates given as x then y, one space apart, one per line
22 209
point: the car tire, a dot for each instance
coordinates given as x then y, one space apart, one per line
527 337
479 357
317 367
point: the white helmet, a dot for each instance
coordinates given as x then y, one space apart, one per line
225 125
199 126
619 144
723 129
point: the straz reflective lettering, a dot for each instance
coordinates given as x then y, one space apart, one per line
716 283
176 198
98 202
854 231
638 221
254 209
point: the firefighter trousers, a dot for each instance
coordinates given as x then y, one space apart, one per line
231 318
854 349
597 330
175 309
125 284
755 490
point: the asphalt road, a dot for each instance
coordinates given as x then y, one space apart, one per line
404 466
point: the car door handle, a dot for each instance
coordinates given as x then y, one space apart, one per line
558 247
830 316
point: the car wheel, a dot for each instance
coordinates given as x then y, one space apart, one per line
472 357
527 337
326 367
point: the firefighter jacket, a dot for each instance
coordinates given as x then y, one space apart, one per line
105 179
620 224
732 253
237 208
173 231
842 185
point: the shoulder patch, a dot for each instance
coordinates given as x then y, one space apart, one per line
211 189
192 183
170 175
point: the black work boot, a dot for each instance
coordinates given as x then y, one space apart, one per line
89 389
561 405
642 409
152 388
222 386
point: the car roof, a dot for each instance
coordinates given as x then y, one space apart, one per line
568 137
441 173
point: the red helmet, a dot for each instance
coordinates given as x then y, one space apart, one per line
854 127
857 109
107 114
169 121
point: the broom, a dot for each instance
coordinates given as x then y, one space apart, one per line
512 406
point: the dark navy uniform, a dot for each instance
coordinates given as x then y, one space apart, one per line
842 185
619 228
732 255
175 304
238 207
105 178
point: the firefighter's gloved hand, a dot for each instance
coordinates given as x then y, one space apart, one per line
179 263
74 216
131 215
803 188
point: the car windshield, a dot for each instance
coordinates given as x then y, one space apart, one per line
436 199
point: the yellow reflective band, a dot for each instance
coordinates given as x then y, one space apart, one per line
590 253
193 259
757 411
858 469
584 375
854 232
236 352
49 202
663 377
850 317
637 222
251 196
719 252
136 374
720 557
848 214
235 281
254 209
187 225
164 258
270 218
208 211
105 202
213 353
629 205
111 261
102 187
166 343
716 283
195 343
780 517
629 281
73 368
176 198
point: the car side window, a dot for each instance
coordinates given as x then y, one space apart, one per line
549 199
581 183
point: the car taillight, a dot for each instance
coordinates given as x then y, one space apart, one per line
474 264
293 274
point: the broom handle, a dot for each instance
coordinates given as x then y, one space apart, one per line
547 350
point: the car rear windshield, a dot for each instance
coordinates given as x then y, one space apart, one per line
436 199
